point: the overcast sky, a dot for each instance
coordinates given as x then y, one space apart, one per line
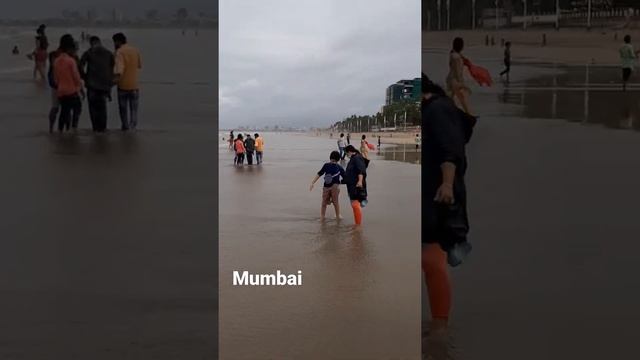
53 8
313 62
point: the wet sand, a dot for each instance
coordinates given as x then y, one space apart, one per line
553 212
567 46
360 293
108 246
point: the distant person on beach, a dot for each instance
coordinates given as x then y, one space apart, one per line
97 65
39 57
68 83
250 147
507 60
16 50
41 37
39 54
628 57
364 146
455 80
379 142
259 148
356 180
444 215
333 174
128 64
348 139
239 149
418 141
231 139
341 145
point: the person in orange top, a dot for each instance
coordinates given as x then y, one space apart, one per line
128 64
68 84
259 148
239 147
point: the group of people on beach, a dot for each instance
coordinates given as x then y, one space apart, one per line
343 142
72 78
354 177
244 147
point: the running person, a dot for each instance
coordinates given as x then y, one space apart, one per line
628 58
507 60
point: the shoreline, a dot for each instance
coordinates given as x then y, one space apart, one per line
567 46
387 138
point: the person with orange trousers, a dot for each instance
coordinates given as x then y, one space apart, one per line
446 130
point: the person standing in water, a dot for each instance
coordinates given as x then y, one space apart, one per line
128 64
628 58
259 148
507 60
55 103
39 57
444 216
16 50
68 84
356 180
250 147
364 147
239 149
341 146
97 65
456 85
333 174
231 139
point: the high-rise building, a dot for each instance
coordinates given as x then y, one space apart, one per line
404 90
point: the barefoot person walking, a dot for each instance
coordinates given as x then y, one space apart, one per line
628 57
456 85
333 174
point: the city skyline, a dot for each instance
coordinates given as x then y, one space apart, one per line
43 9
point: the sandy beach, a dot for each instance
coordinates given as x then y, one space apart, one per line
552 198
108 242
357 301
386 138
566 46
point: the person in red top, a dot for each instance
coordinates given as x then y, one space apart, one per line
68 84
239 147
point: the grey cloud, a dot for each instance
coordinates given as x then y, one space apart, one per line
316 61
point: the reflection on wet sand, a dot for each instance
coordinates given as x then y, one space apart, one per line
405 153
546 198
586 94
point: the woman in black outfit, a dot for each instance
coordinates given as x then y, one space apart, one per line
356 181
445 131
